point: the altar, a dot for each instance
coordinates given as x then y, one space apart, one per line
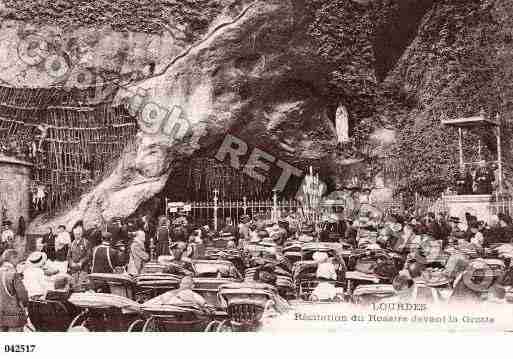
477 205
476 192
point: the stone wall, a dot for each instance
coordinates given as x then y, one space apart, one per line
15 188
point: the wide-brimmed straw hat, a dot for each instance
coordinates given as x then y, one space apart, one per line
37 259
396 227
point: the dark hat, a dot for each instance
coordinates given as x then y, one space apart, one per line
37 259
454 220
107 235
245 219
6 223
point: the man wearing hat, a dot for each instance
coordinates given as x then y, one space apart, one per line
456 231
163 236
454 223
114 228
104 258
78 255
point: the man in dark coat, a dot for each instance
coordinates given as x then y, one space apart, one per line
49 244
149 229
78 256
431 226
163 235
105 259
114 228
445 227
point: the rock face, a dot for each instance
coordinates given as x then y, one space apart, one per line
456 66
253 75
260 71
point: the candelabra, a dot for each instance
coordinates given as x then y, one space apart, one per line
216 199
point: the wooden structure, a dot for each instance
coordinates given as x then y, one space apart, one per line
483 122
72 137
478 205
14 189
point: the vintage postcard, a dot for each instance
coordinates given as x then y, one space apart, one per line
268 166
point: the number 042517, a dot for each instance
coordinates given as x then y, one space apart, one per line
19 348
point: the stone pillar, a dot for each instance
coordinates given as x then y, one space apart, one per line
15 183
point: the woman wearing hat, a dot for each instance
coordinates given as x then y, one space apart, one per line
326 271
34 277
13 294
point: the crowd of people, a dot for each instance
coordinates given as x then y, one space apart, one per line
477 180
63 259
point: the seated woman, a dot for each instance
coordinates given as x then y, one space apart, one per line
36 275
182 296
326 271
